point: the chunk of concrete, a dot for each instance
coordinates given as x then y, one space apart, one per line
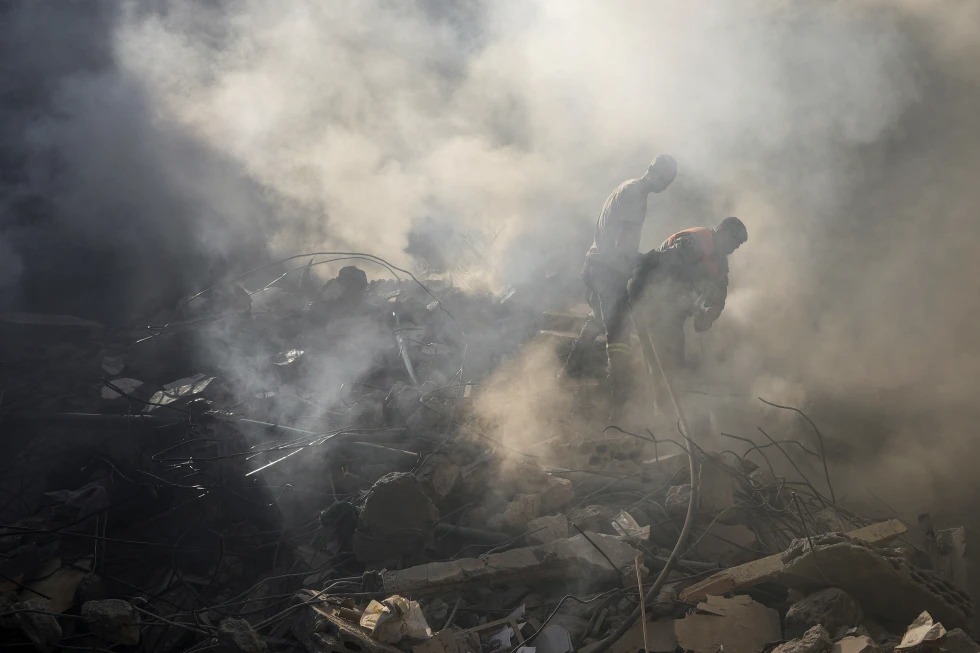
237 636
558 493
593 518
886 586
114 620
396 520
521 510
815 640
677 500
545 530
957 641
768 568
574 557
43 630
832 608
735 625
855 644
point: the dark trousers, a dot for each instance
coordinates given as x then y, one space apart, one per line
610 314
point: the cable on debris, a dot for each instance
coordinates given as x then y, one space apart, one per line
675 553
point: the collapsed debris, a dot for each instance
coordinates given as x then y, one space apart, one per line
163 500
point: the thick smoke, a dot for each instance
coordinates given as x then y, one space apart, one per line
145 139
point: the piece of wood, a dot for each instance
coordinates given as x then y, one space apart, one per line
758 571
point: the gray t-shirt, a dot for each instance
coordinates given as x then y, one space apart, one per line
617 231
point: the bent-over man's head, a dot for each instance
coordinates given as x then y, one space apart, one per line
661 172
729 235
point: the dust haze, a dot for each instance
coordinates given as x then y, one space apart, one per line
148 148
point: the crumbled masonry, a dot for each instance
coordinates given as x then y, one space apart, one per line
166 496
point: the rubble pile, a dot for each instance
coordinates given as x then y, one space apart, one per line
295 468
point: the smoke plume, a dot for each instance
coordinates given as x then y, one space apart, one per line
147 149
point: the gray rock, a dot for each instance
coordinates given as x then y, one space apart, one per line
832 608
237 636
544 530
43 630
678 496
957 641
114 620
396 520
593 518
815 640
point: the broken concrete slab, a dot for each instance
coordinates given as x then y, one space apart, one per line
545 530
593 518
735 625
573 557
814 640
832 608
855 644
765 569
887 587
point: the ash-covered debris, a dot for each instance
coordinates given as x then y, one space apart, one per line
295 465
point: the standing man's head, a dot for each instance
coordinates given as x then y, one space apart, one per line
729 234
661 172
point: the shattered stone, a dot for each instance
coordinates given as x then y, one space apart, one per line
957 641
855 644
559 493
436 611
832 607
772 567
678 498
237 636
544 530
593 518
574 557
521 510
43 630
396 520
814 640
114 620
440 476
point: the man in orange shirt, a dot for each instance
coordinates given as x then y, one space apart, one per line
686 277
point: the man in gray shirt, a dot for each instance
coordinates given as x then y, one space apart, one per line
608 265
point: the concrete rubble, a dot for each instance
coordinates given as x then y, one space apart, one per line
181 503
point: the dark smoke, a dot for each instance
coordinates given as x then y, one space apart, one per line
142 148
108 209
